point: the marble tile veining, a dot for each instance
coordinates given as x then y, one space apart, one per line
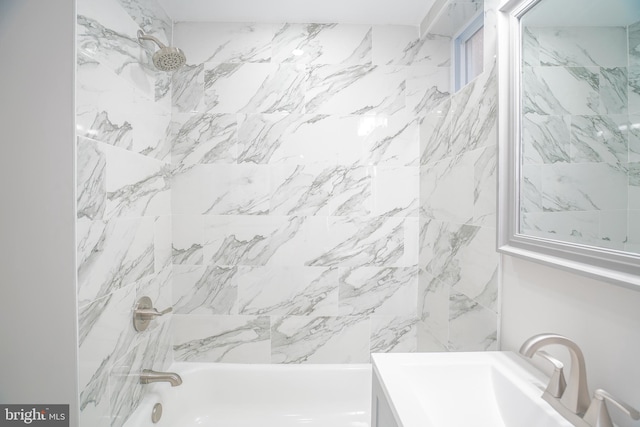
545 138
471 325
105 337
378 291
562 90
433 306
599 139
112 254
581 46
614 84
454 175
634 67
136 185
107 33
234 190
91 187
401 45
187 241
215 338
474 114
204 139
380 241
288 290
254 88
225 42
394 334
427 87
187 89
205 289
303 339
485 187
322 44
358 89
250 240
330 191
583 187
435 134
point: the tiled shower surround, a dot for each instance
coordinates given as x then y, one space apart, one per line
299 193
458 283
295 189
582 135
124 204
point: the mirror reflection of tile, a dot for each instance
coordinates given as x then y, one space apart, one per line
581 135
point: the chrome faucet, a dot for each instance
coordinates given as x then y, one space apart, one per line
148 376
575 396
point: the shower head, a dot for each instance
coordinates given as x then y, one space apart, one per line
167 58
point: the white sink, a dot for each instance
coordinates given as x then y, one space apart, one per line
483 389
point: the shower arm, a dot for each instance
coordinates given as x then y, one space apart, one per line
143 36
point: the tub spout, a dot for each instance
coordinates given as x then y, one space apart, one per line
148 376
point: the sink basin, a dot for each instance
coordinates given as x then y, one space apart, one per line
483 389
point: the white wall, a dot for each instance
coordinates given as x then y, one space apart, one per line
38 337
604 320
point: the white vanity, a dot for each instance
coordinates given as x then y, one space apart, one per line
489 389
481 389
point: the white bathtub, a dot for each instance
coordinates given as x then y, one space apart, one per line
236 395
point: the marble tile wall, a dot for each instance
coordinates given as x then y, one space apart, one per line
288 192
123 203
313 217
633 230
295 188
580 125
458 264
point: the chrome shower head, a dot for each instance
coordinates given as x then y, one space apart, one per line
167 58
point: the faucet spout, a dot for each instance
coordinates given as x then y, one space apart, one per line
576 395
148 376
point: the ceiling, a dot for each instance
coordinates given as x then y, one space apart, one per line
374 12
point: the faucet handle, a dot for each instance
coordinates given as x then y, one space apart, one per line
598 416
151 313
557 383
144 313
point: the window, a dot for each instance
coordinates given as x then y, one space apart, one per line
468 48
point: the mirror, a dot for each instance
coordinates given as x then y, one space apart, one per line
570 135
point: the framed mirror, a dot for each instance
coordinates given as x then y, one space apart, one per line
569 178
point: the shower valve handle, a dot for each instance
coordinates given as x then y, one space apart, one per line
144 313
151 313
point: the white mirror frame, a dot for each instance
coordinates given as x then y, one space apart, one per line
622 268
